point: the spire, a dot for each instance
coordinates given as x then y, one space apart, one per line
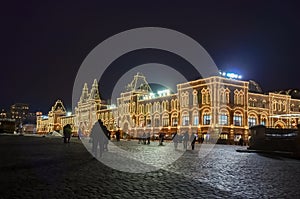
85 93
94 91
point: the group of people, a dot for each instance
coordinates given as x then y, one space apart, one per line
99 136
145 138
184 139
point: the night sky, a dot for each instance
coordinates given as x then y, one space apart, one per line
44 43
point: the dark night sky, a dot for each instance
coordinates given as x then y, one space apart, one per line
44 43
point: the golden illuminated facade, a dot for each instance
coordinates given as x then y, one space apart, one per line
56 119
211 106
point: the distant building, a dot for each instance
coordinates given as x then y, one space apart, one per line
3 114
19 112
56 119
7 125
215 107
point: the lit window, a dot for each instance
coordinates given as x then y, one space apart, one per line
251 121
223 119
237 120
165 122
174 121
196 120
206 118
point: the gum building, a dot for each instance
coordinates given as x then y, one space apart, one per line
216 108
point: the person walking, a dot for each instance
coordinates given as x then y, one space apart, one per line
148 138
67 131
99 138
185 140
118 135
175 139
193 140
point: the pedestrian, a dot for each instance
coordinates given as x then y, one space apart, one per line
79 133
106 136
140 137
175 139
241 142
161 138
193 140
185 140
67 131
148 138
98 139
144 138
118 135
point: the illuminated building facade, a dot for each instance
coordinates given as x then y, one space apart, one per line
56 119
217 107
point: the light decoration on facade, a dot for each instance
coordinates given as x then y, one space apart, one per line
112 106
230 75
162 93
69 113
44 117
292 115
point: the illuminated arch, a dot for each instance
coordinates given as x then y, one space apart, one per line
279 124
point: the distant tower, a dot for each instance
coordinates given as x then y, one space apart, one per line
139 84
84 94
87 107
94 91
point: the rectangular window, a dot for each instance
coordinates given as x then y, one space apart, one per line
196 120
185 120
148 121
223 119
174 121
251 121
237 120
206 119
156 122
165 122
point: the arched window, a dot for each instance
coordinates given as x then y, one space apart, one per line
263 120
133 107
174 119
185 119
157 107
239 97
195 97
252 120
148 121
227 92
141 121
156 121
185 99
274 103
222 95
165 120
165 105
205 96
223 118
237 119
206 118
175 104
195 118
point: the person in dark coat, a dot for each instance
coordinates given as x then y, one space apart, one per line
118 135
241 141
175 139
193 140
67 131
148 138
185 140
99 138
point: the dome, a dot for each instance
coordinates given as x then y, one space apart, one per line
254 87
294 93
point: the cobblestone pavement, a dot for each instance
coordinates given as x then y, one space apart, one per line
35 167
